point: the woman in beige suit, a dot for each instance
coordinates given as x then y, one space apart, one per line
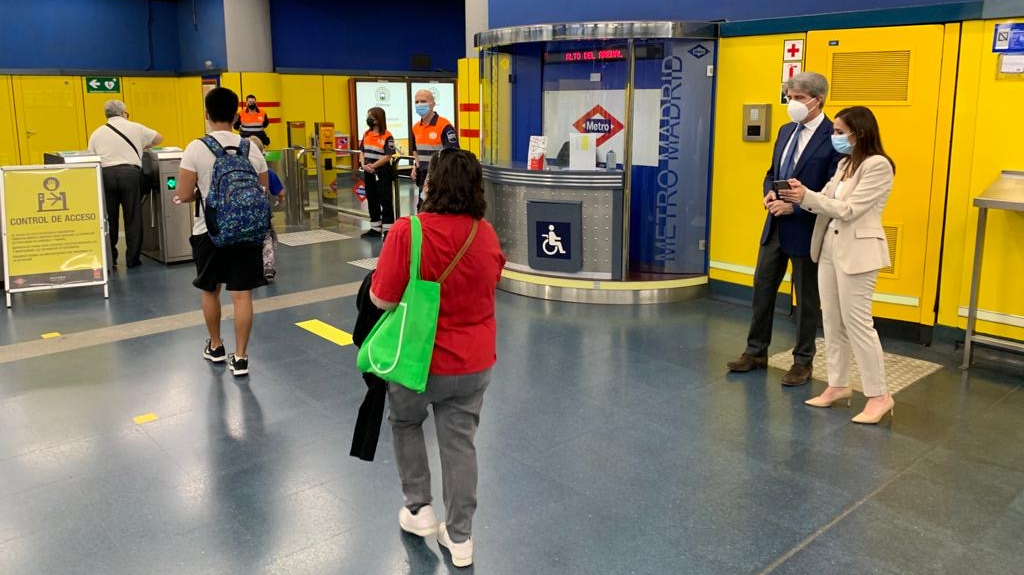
850 247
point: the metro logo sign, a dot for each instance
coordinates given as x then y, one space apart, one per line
599 121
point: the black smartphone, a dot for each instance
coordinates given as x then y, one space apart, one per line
778 185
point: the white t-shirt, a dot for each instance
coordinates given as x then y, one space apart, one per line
199 159
113 150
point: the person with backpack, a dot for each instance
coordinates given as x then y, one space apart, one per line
120 144
227 177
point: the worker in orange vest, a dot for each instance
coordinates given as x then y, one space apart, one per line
252 121
429 136
378 147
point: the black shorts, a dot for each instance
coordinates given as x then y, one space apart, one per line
239 268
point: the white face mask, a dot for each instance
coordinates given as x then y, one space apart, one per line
798 111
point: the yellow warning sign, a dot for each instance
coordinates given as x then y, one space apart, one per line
53 227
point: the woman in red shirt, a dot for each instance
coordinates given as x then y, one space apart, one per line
464 350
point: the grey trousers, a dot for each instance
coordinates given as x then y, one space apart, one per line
457 400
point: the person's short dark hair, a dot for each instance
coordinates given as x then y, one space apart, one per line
456 184
221 105
250 96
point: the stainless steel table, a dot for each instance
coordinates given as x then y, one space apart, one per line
1006 194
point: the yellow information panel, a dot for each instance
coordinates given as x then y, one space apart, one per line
53 227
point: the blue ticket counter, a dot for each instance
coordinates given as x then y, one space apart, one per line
633 226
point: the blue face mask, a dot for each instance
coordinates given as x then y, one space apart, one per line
841 142
422 109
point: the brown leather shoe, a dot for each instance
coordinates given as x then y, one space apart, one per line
797 375
747 363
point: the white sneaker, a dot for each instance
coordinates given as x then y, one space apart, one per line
424 523
462 553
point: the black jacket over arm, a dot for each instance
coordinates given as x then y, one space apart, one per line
371 412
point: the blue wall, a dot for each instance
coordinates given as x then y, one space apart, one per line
519 12
332 35
89 34
200 34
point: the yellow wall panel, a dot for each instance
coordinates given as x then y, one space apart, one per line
302 99
749 72
916 189
337 107
983 145
191 110
154 102
93 106
50 116
468 86
233 82
9 154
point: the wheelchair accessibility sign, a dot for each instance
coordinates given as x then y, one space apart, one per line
555 240
555 230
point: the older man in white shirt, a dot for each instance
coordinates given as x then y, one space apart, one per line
120 143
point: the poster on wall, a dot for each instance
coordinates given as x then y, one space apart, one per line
598 112
53 228
392 97
209 83
444 98
602 113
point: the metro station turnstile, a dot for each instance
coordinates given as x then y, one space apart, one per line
166 227
73 157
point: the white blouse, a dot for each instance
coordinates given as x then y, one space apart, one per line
838 195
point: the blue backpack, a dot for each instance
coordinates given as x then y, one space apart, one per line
236 208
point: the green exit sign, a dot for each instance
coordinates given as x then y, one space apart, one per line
102 85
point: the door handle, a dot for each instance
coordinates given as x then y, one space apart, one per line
30 133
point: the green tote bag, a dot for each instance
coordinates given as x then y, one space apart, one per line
401 345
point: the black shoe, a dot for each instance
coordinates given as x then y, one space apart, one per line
134 264
372 234
270 275
215 355
239 366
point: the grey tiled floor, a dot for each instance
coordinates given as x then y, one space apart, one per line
612 441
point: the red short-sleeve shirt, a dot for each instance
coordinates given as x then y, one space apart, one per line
466 330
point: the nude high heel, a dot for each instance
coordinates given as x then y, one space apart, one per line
820 402
866 418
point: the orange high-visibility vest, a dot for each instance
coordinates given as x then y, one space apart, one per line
428 139
251 122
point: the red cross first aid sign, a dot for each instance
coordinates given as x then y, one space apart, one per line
793 51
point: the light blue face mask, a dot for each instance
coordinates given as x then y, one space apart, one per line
422 109
841 142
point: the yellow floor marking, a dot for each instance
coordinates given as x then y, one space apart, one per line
326 331
50 335
145 418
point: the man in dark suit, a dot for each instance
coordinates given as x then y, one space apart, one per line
803 150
